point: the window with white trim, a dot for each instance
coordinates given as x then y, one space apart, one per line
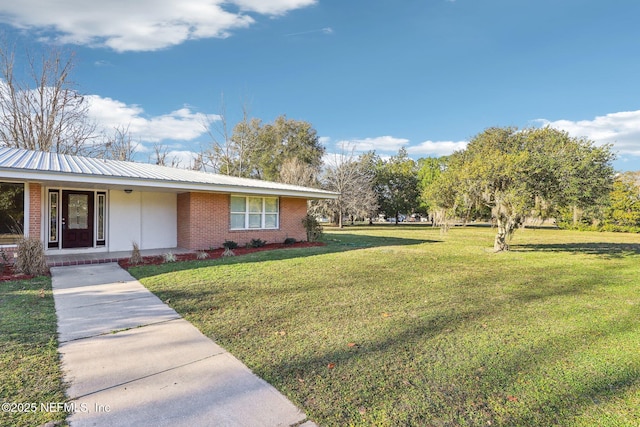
249 212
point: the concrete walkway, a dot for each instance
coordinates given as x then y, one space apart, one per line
131 360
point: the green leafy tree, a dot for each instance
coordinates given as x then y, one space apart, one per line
397 185
519 173
258 150
429 169
624 202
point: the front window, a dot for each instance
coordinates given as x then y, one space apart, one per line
254 213
11 212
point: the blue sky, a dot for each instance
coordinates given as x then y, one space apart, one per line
377 74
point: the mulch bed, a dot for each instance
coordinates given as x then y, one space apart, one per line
7 273
217 253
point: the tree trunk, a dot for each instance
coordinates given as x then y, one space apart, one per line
576 215
500 243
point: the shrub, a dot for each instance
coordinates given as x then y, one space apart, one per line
202 255
257 243
5 260
31 259
289 241
228 252
313 228
135 257
229 244
169 257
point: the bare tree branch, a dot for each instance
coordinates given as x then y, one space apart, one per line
45 112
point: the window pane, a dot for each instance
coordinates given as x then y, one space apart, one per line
255 204
101 210
11 212
238 204
271 205
53 216
271 221
78 212
237 221
255 220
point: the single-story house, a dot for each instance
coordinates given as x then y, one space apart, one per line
79 204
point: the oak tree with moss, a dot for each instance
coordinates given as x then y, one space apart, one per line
520 173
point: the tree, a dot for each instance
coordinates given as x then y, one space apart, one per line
429 169
45 112
354 179
257 150
397 185
220 156
161 158
119 145
282 140
624 202
294 171
520 173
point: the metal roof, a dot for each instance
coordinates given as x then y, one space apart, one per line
63 165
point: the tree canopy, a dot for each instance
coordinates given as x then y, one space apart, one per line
518 173
397 184
257 150
624 202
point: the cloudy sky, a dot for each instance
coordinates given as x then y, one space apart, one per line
379 74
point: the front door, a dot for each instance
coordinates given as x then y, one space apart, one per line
77 219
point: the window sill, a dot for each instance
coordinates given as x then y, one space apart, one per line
252 229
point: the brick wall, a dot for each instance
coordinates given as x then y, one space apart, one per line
203 221
183 218
35 210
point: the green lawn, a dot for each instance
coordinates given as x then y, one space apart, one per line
29 365
406 326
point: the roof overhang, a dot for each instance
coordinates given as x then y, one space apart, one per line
64 179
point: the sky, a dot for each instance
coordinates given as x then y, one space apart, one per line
378 75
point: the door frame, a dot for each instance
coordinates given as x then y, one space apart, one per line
89 241
53 213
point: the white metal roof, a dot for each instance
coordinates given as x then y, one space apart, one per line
42 166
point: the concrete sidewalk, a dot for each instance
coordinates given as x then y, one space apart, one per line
130 360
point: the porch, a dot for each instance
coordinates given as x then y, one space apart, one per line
106 257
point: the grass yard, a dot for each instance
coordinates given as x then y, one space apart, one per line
29 364
402 325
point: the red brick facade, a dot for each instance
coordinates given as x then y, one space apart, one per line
204 221
35 209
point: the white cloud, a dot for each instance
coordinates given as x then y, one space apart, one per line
437 148
620 129
380 143
272 7
140 25
179 125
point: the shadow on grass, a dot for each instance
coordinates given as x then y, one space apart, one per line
334 243
463 396
605 249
